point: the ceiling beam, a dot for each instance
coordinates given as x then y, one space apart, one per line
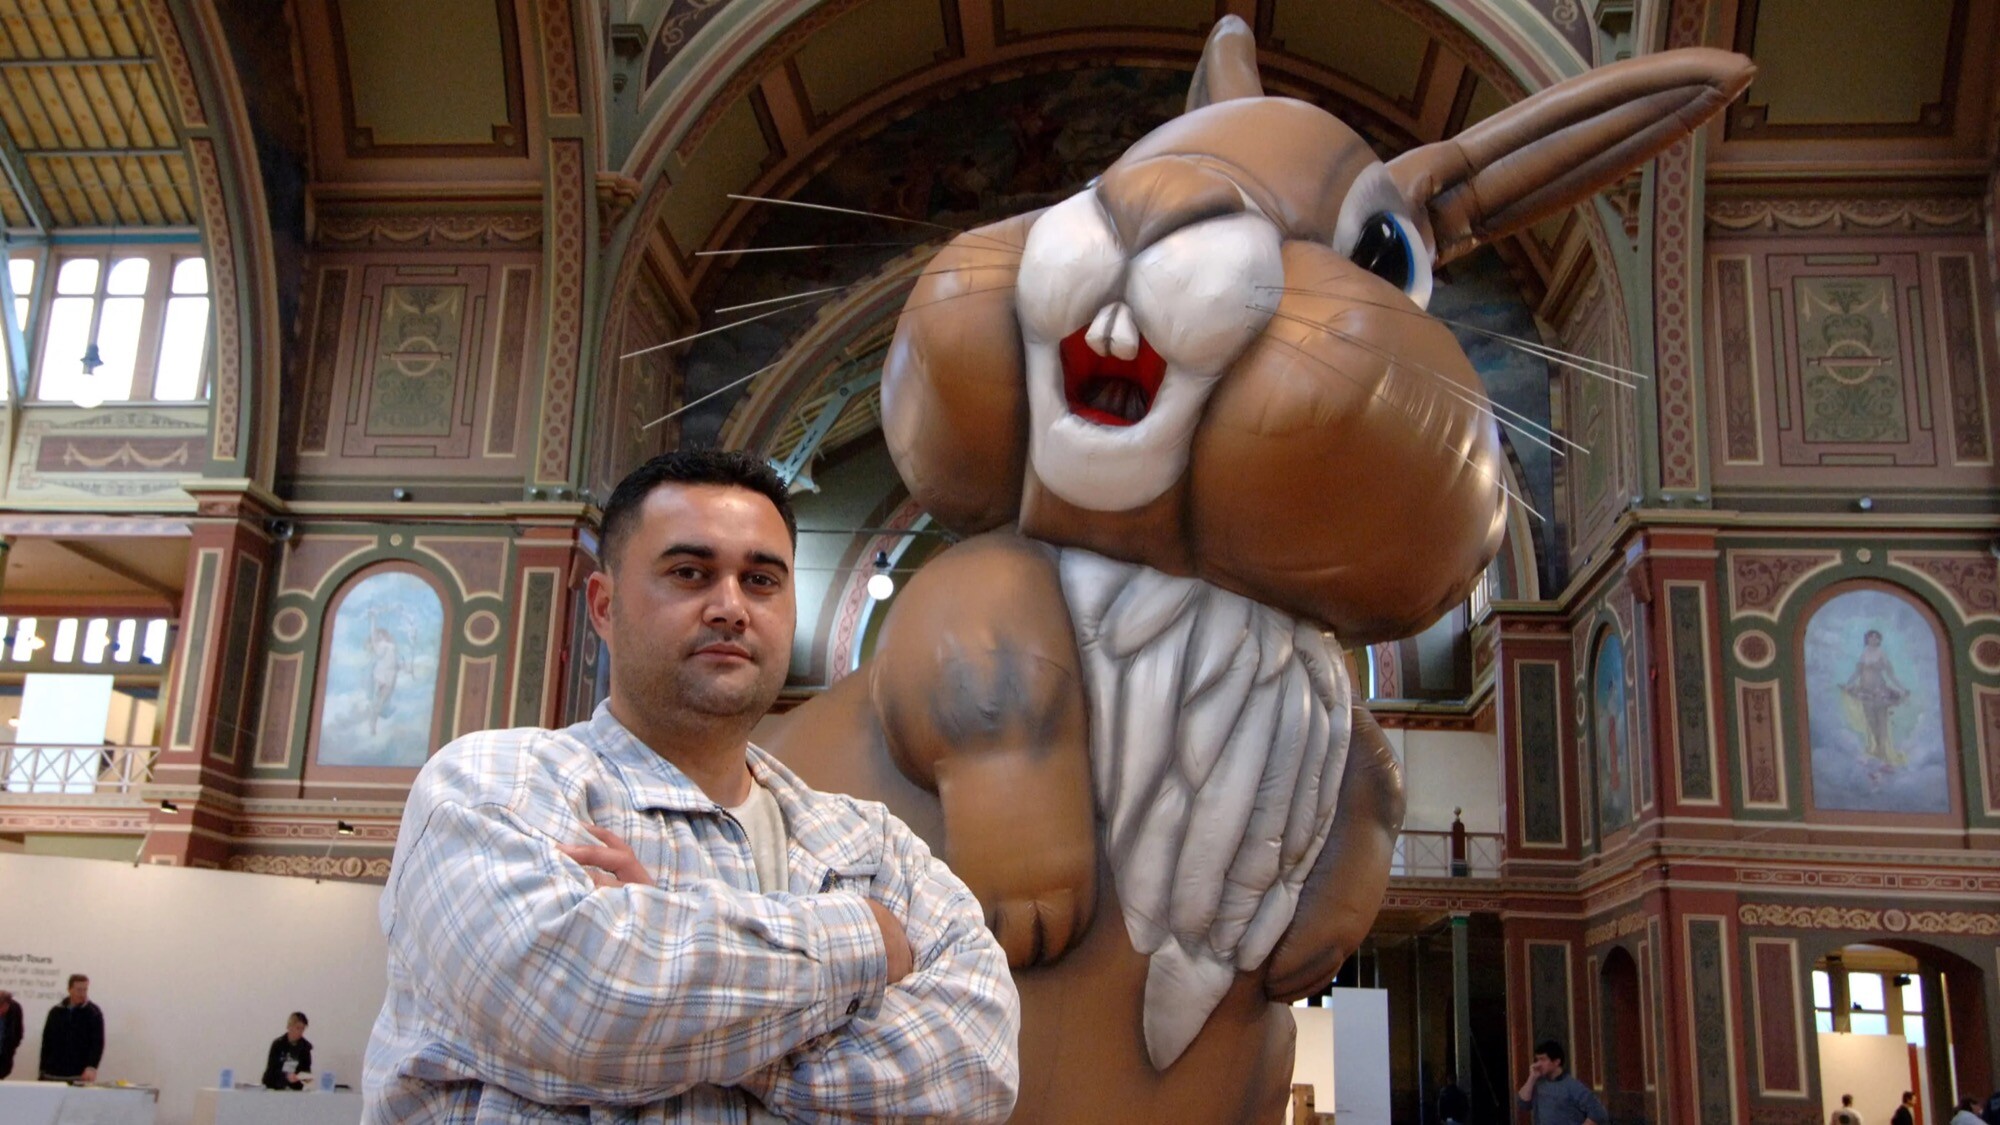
139 578
15 166
81 60
101 152
801 454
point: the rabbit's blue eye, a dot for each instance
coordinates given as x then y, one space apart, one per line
1384 250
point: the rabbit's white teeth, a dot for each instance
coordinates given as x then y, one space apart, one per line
1101 335
1124 332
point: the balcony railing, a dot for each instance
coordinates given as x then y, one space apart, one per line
77 770
1433 855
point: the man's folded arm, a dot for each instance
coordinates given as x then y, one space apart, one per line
945 1044
564 992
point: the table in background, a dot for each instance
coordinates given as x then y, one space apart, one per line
59 1103
258 1106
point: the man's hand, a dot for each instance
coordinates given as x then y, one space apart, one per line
614 855
89 1074
895 940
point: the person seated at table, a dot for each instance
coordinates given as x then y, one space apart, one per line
291 1058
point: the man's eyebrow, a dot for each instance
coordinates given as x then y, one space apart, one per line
766 558
698 550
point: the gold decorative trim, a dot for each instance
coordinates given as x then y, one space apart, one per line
1892 920
1616 928
1824 216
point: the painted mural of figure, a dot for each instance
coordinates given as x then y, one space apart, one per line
1869 695
385 666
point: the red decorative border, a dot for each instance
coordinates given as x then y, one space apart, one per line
173 59
566 254
228 315
1673 283
559 57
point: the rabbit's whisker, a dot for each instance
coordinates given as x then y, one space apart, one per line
697 402
778 300
873 215
711 331
800 248
1411 419
1527 426
1544 351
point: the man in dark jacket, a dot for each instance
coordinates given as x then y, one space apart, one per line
291 1057
73 1036
11 1030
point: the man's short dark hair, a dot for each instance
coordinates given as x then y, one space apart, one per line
74 977
1550 1049
690 466
301 1017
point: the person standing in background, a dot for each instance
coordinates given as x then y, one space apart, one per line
11 1030
291 1057
1846 1114
73 1036
1905 1113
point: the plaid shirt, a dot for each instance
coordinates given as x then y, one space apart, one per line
518 991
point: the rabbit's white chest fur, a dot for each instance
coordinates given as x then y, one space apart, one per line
1219 731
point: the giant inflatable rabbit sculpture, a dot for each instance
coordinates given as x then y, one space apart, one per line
1200 435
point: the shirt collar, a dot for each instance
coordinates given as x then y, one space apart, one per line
655 782
825 826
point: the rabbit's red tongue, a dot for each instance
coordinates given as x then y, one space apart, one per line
1105 389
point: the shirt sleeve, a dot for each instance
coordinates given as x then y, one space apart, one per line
944 1044
1591 1105
534 979
93 1043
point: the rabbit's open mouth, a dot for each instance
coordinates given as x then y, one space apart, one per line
1108 390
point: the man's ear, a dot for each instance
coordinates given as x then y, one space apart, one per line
1564 144
1228 66
597 595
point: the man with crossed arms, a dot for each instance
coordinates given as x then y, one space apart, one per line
757 950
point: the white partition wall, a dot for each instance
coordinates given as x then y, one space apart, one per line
1343 1053
195 970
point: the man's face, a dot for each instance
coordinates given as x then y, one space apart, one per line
1544 1065
294 1030
79 992
698 608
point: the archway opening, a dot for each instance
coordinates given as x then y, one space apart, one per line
1623 1046
1896 1015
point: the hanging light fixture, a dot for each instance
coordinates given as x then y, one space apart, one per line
880 585
89 393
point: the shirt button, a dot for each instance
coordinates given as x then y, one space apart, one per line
853 1006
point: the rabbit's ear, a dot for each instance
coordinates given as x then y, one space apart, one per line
1228 66
1564 144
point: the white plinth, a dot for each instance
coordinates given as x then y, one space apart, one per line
276 1107
58 1103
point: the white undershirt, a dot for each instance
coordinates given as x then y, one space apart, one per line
765 825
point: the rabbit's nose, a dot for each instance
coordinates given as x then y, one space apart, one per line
1153 198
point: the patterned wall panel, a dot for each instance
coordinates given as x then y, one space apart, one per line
111 454
1834 366
1549 1003
416 367
1988 703
1760 740
1780 1040
196 638
233 674
1712 1036
1538 733
534 648
474 709
1692 684
280 706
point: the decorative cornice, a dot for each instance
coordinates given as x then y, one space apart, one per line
1616 928
457 230
371 869
1794 216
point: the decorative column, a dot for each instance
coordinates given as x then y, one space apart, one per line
211 690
